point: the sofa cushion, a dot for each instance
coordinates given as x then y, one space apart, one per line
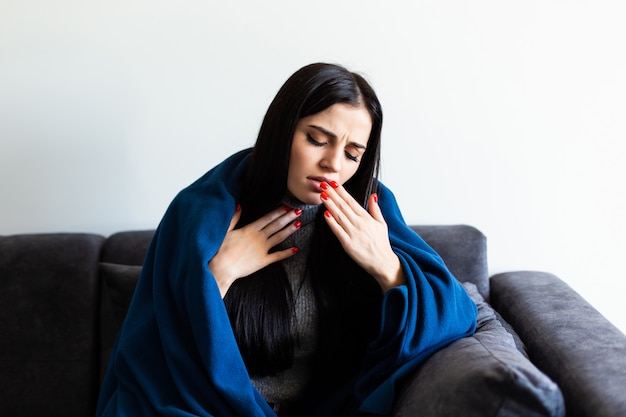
481 375
120 282
118 287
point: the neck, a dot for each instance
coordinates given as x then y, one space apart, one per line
308 210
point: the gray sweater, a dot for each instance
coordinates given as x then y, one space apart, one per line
287 385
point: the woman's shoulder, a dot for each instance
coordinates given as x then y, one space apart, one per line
228 174
213 195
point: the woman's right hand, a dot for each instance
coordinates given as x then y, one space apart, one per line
246 250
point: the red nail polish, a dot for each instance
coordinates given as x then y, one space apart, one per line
238 208
334 184
324 185
287 209
298 211
327 214
294 250
298 224
375 198
324 195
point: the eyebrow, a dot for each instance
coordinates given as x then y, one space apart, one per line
334 136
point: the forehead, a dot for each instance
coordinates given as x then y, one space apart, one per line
344 122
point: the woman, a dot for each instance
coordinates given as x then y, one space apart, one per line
285 277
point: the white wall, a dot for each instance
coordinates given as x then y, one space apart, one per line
509 116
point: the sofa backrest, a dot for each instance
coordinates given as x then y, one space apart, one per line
127 248
463 249
49 297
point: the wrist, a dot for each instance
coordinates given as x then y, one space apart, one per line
392 275
221 276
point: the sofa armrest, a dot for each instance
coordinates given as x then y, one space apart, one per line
567 338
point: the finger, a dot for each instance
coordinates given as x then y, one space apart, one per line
282 255
344 209
338 230
335 207
374 208
235 218
345 197
284 233
343 206
280 223
264 221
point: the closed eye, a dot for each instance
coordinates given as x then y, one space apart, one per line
351 157
313 141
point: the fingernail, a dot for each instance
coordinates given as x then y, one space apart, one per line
238 207
287 209
298 211
294 250
334 184
324 185
327 214
375 198
298 224
324 195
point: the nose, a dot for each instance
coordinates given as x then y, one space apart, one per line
332 160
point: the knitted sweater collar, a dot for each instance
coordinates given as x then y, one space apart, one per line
309 211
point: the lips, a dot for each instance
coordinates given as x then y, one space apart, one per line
315 182
320 179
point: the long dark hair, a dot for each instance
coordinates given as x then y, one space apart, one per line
260 306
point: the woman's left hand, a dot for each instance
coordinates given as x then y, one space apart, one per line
363 234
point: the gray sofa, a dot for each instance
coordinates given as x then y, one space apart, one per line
63 297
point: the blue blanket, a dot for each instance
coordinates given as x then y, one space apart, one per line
176 354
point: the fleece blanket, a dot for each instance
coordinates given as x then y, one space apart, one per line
176 354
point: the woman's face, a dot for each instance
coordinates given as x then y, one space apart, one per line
327 146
